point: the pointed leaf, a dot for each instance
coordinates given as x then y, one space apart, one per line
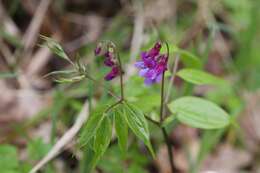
103 136
70 80
168 120
91 127
61 72
121 128
55 48
89 160
199 113
199 77
189 59
138 124
97 145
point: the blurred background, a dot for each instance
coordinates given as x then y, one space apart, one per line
35 111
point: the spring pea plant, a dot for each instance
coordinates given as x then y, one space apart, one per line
123 115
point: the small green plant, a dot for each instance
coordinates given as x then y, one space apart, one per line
124 114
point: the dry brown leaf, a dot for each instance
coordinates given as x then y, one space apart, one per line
17 105
250 121
227 159
166 9
162 160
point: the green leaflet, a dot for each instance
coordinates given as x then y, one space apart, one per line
199 113
103 136
138 124
55 48
91 127
188 59
199 77
98 144
121 128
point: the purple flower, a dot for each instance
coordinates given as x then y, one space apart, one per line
115 71
152 65
109 61
98 50
155 50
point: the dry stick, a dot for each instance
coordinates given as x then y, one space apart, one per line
137 39
6 52
30 36
29 40
137 34
38 62
40 59
10 27
175 68
65 139
8 24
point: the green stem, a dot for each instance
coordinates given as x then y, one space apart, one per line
113 46
121 77
108 90
170 155
162 99
153 121
113 105
165 135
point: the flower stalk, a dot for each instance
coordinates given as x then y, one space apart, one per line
152 67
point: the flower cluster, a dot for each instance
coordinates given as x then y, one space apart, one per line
109 61
152 64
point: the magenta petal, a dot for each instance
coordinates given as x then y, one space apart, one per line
143 72
97 50
144 55
113 73
158 45
108 54
152 64
148 81
151 74
108 62
140 64
158 78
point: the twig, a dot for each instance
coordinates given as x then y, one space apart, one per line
100 84
8 24
6 53
30 36
94 24
65 139
137 33
175 68
153 121
137 38
40 59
